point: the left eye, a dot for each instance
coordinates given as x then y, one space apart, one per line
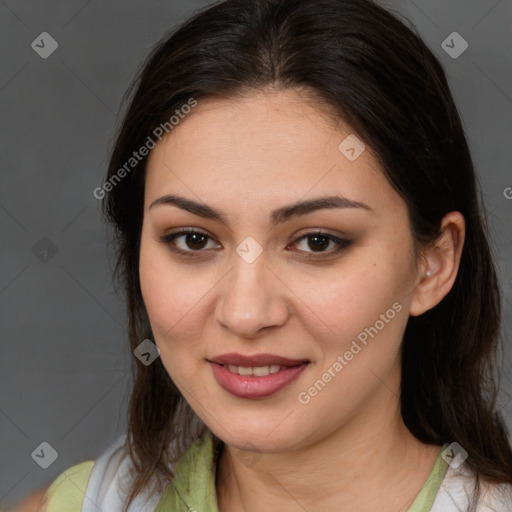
194 241
320 241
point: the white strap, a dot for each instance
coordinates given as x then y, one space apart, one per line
457 487
107 485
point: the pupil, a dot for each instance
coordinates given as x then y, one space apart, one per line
194 237
316 245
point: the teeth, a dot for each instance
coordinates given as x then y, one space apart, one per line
258 371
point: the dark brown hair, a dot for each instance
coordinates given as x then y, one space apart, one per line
372 70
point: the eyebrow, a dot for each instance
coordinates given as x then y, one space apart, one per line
277 216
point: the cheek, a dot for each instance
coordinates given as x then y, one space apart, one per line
339 304
172 295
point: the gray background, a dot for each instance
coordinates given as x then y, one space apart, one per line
64 360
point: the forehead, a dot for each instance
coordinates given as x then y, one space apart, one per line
262 125
266 148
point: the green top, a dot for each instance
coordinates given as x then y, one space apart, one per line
193 486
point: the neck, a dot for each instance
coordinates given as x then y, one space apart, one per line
371 452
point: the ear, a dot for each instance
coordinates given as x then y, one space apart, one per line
439 265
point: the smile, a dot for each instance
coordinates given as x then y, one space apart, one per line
258 371
253 382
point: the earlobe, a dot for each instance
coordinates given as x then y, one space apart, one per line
440 265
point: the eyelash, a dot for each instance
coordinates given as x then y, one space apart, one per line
342 243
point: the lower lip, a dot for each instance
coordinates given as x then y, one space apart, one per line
250 386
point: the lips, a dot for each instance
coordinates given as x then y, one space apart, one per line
257 376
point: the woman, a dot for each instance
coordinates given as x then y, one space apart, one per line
312 301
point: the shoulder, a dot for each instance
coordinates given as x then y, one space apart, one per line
458 487
103 484
496 497
88 478
68 490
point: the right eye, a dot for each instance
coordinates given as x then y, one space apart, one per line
193 241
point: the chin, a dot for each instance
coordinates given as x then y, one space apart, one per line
262 436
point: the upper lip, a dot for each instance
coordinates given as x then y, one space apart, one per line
255 360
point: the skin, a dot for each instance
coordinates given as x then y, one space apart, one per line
246 157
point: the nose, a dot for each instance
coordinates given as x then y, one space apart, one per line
251 299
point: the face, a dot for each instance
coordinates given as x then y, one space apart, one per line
327 287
